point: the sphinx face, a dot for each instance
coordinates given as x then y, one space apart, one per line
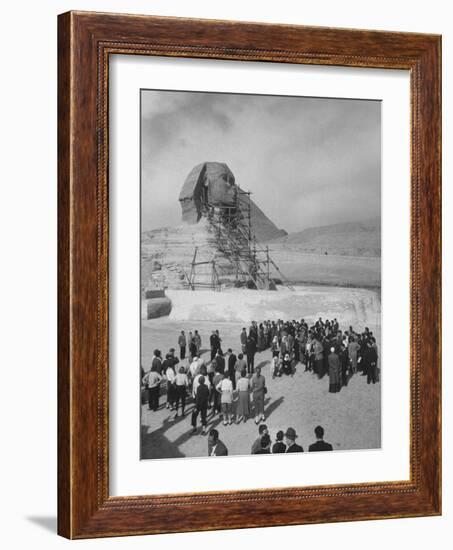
208 185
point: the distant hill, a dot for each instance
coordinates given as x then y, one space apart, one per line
348 239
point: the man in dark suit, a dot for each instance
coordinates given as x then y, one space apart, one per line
231 364
220 362
320 444
250 350
279 446
291 445
370 360
214 341
215 446
201 405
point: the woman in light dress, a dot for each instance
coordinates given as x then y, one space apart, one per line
243 389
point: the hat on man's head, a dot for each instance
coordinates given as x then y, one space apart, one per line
291 433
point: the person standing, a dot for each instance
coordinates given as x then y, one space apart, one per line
344 362
170 376
243 339
225 388
152 380
291 445
251 350
181 386
194 368
219 341
275 349
196 381
243 388
290 345
262 429
371 362
240 366
334 371
173 359
320 444
318 351
156 362
201 405
258 388
215 393
279 446
231 363
261 342
265 445
192 348
182 343
215 446
220 361
353 348
214 343
197 339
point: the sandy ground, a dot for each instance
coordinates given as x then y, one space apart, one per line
331 269
351 418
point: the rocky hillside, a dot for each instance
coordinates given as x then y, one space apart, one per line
344 239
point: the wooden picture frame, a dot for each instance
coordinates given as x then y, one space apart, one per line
85 42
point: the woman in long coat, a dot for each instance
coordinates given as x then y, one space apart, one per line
334 372
258 387
243 389
353 348
261 344
319 357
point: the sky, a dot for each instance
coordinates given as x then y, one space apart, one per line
307 161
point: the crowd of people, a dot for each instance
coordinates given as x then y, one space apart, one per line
285 442
231 386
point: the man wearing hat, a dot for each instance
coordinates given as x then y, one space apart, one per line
291 445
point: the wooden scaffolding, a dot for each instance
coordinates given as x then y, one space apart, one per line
231 226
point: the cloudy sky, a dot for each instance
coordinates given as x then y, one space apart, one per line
307 161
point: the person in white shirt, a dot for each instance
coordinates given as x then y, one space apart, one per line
181 384
170 376
225 387
194 367
196 382
151 381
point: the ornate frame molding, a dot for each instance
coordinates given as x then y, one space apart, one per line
86 40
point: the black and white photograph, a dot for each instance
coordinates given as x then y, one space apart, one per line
260 284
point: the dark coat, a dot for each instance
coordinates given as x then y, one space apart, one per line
295 448
278 447
250 346
231 363
320 446
202 396
220 363
156 364
220 449
214 341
